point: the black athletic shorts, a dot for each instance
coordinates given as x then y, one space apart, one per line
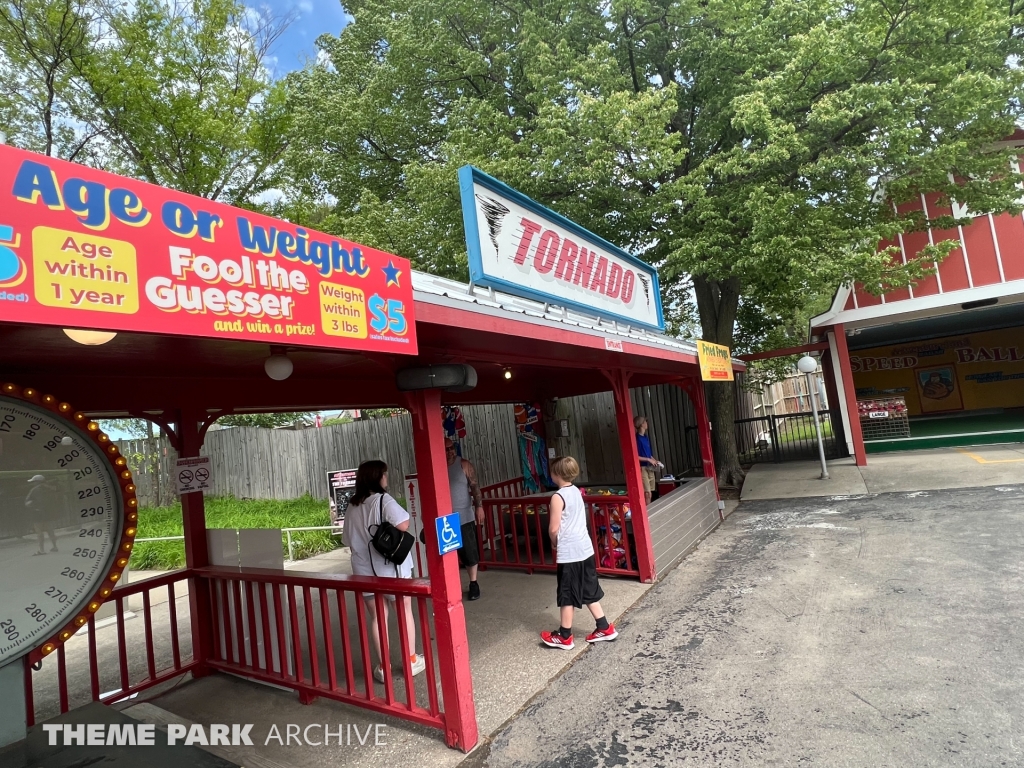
577 583
470 552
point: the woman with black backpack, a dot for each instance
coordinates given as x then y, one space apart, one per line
371 511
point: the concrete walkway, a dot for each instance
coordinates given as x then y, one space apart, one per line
36 752
879 631
510 667
905 471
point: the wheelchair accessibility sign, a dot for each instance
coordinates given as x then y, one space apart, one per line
449 533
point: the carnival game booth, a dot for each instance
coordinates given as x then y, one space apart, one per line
940 363
122 298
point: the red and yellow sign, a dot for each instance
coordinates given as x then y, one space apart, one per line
954 373
81 248
715 361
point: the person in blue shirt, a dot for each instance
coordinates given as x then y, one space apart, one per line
647 461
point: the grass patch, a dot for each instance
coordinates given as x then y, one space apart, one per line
229 512
803 430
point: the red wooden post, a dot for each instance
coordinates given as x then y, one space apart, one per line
193 516
694 387
445 584
634 481
856 436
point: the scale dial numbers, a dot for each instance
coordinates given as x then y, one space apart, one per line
67 521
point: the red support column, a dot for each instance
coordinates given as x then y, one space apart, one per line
193 517
856 436
634 482
445 584
694 387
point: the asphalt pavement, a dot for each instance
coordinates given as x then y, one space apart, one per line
868 630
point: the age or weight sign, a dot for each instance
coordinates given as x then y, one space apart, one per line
82 248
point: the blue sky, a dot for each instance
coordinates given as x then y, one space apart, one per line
312 19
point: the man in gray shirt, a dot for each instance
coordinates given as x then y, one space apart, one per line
469 503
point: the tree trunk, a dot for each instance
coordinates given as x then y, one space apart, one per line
721 401
157 464
717 304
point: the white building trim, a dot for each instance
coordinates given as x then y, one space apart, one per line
840 392
923 306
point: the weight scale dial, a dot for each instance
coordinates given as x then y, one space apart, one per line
68 516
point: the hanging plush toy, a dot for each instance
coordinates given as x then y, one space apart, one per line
533 452
454 425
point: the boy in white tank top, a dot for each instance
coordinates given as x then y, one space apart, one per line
577 567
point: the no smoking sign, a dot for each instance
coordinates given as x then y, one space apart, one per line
193 475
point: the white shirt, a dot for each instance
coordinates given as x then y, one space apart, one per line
359 522
574 543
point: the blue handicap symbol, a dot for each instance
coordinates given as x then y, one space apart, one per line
449 533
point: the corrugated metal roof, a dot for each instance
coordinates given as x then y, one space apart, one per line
433 289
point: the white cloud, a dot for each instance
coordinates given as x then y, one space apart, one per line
270 196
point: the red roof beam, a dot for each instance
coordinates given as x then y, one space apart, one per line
817 347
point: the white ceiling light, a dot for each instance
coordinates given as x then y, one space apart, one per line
89 338
278 366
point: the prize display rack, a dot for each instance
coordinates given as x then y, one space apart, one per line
883 418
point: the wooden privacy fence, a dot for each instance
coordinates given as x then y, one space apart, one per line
255 463
249 462
593 436
152 463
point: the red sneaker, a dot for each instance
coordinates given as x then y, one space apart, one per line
555 640
598 635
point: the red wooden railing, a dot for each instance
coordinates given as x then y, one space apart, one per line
126 667
515 534
309 632
507 489
264 625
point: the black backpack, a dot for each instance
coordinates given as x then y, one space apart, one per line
391 544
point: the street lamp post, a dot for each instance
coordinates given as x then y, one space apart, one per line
807 366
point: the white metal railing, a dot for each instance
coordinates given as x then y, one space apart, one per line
286 531
288 534
163 538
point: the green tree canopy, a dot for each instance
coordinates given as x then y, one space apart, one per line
265 420
175 93
757 153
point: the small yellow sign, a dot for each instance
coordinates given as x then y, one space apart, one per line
715 361
342 310
74 270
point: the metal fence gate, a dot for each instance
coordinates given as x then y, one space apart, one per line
787 437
